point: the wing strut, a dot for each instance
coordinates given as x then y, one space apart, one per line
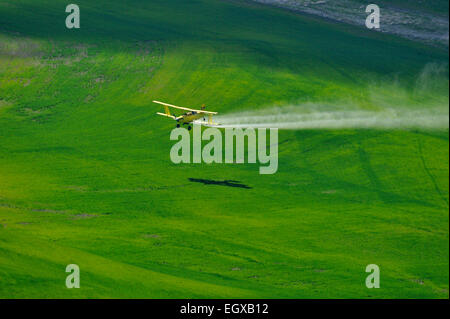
166 109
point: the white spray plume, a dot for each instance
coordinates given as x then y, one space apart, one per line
299 117
388 106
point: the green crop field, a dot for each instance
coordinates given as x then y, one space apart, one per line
86 177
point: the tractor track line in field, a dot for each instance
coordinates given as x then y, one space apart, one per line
427 170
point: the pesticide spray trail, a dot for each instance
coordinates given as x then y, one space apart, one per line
392 107
298 117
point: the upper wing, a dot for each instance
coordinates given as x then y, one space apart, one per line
184 108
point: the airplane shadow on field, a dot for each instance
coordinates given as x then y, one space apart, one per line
229 183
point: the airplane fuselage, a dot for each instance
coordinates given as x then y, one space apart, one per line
190 117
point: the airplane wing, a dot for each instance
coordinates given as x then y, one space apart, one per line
185 108
169 115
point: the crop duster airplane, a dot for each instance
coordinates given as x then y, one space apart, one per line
188 117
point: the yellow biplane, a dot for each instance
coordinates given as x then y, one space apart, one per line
187 118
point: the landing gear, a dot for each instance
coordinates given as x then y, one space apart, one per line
178 125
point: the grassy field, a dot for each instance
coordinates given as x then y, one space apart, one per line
86 178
